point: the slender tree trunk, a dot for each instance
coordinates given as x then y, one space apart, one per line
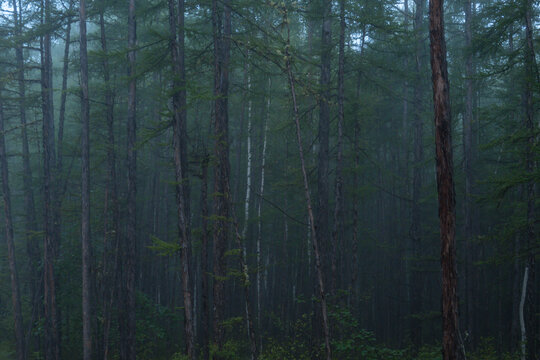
338 210
111 245
128 308
222 32
532 78
32 246
324 136
316 247
52 336
179 140
85 191
416 224
445 182
467 167
14 277
521 315
259 212
204 258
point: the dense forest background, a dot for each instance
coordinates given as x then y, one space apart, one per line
162 137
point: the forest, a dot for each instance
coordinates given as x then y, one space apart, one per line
269 179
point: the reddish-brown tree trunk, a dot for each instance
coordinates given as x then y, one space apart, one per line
445 182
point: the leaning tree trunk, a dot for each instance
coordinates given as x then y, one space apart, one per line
15 292
85 188
445 181
180 166
316 243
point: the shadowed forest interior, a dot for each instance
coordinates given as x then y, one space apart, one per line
239 179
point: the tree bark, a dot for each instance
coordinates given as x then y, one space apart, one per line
416 223
204 259
85 189
111 255
180 166
14 277
316 247
467 168
445 182
324 136
128 308
50 246
221 33
338 217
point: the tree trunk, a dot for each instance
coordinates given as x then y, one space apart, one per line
32 246
85 189
532 78
324 136
445 182
204 259
127 315
316 248
180 158
467 168
111 246
50 246
221 33
338 210
15 292
416 223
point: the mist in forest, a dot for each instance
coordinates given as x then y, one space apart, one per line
271 180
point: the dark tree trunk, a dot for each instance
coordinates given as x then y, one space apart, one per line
416 223
337 232
14 277
445 182
222 33
180 165
50 246
532 78
111 256
467 168
204 259
324 136
32 246
85 189
316 243
127 314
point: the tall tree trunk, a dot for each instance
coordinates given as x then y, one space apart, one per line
128 308
204 258
32 246
338 210
180 158
532 78
445 181
259 209
14 277
316 247
85 188
324 136
111 245
50 246
416 223
221 33
467 167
